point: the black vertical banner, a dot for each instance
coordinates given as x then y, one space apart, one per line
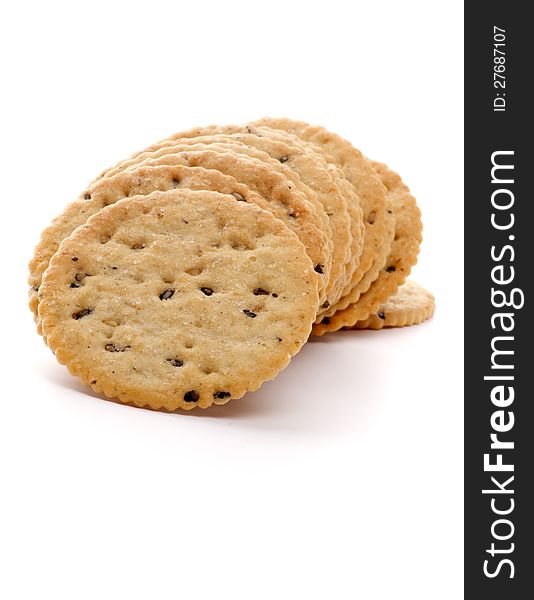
499 341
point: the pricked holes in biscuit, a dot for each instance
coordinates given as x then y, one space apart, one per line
176 182
221 395
87 196
207 291
194 271
237 244
175 362
250 313
371 217
238 196
191 396
189 344
111 322
115 348
138 246
207 369
79 278
84 312
167 294
259 291
104 238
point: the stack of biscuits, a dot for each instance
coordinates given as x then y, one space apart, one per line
193 271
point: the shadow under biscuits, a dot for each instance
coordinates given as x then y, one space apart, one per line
233 409
325 391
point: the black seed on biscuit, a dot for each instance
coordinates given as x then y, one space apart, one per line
206 291
113 348
326 321
260 292
319 269
87 196
191 396
380 314
274 295
221 395
249 313
175 362
284 158
166 294
238 196
390 269
82 313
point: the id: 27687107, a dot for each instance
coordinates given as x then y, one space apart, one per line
499 69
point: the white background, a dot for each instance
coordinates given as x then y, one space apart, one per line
341 479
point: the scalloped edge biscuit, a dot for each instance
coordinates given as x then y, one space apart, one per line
410 305
124 303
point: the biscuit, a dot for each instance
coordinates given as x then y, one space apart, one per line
403 255
178 299
410 305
